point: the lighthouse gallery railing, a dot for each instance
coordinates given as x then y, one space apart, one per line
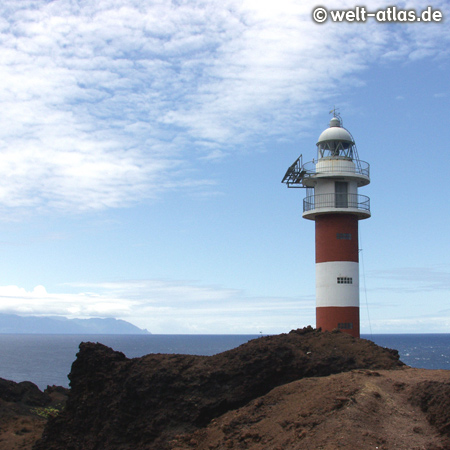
333 200
338 166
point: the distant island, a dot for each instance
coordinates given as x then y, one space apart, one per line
15 324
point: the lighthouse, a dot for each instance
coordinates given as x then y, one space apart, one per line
332 201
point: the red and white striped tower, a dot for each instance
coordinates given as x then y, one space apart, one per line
333 202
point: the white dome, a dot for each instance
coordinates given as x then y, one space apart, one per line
335 122
335 134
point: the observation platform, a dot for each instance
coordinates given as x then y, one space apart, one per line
356 204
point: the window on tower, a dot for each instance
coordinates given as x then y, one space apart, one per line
345 326
345 236
344 280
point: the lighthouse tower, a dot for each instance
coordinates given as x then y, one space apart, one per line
333 203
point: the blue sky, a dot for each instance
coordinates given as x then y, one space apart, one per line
143 144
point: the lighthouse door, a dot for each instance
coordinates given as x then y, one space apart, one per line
341 190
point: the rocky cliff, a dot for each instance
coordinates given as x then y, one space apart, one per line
149 402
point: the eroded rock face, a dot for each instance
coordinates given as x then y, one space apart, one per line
121 403
434 400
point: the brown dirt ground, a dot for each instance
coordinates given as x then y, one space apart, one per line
362 409
20 423
18 429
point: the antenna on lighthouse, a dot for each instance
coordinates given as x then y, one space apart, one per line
335 112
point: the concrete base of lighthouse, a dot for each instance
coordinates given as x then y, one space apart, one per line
345 319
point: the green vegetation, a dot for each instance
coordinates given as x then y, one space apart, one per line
46 412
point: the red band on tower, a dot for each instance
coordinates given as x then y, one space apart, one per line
336 238
345 319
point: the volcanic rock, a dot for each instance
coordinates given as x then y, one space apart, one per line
116 403
24 392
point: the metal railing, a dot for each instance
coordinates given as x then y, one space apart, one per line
337 166
355 201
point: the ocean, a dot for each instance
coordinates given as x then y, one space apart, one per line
46 359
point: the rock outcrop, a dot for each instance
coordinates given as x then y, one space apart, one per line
25 392
24 410
116 403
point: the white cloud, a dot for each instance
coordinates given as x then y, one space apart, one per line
102 102
163 306
16 300
407 300
413 279
406 325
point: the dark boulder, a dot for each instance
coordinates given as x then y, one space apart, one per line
25 392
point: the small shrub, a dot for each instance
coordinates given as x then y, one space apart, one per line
46 412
